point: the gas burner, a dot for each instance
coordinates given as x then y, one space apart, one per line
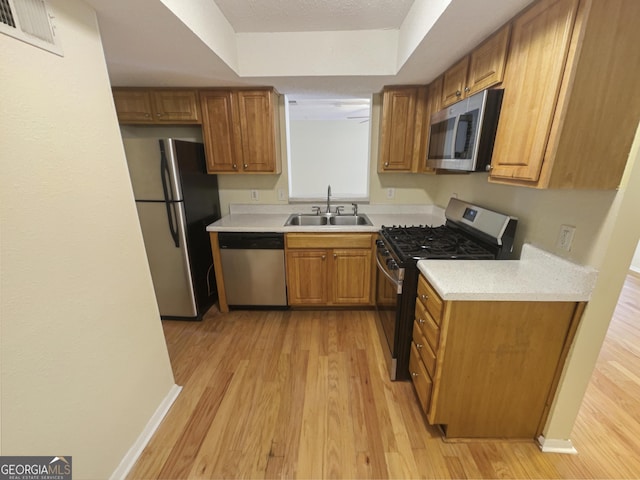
427 242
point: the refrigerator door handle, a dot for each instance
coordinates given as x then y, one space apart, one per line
168 196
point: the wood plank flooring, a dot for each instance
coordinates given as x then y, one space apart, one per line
305 394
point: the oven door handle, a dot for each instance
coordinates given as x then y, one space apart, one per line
396 282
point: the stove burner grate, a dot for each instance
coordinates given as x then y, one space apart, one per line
425 242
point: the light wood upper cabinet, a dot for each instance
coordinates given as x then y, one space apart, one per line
240 130
569 114
487 62
153 106
257 110
329 269
481 69
454 82
218 114
433 105
509 354
402 126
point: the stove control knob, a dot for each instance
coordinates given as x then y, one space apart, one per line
392 264
379 243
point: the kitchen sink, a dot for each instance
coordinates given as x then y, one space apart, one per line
311 219
354 220
302 220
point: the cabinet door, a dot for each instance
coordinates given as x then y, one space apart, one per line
539 46
434 103
133 106
307 277
257 131
176 106
397 129
217 130
487 62
351 276
454 82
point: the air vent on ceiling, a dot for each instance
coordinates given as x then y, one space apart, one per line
31 22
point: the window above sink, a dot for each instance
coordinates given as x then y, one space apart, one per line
328 143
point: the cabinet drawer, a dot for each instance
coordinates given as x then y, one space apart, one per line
430 299
428 327
420 378
426 354
328 240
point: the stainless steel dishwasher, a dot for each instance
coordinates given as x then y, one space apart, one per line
253 268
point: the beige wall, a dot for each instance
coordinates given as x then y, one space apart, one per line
635 261
84 361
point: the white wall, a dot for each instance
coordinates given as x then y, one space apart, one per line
84 361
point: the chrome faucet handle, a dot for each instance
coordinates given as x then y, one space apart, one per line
339 209
316 210
355 208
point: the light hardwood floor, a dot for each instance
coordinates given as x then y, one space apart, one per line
304 394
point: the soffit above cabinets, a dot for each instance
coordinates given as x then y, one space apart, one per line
333 48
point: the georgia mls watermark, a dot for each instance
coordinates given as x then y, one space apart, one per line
35 468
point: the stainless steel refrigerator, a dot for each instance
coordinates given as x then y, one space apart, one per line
176 199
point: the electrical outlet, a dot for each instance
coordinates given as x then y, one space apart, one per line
255 196
566 237
282 196
391 192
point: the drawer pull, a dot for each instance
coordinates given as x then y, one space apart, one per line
424 297
414 374
419 346
421 321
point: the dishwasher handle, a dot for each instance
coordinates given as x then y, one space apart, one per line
251 240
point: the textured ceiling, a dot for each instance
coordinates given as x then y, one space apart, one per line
313 15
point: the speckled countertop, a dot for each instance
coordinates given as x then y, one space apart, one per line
271 218
537 276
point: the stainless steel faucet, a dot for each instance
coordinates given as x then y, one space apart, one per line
329 199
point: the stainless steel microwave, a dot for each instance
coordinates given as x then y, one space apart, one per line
461 136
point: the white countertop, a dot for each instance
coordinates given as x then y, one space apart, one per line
271 218
537 276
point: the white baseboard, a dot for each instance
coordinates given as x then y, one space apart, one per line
131 457
556 445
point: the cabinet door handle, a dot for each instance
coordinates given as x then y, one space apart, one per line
335 255
324 257
458 93
235 167
467 89
158 115
414 374
386 164
421 321
246 166
424 297
419 346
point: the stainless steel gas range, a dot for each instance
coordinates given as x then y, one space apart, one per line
470 232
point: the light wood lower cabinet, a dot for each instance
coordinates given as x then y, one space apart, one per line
485 369
329 269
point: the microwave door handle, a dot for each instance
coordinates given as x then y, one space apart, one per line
454 136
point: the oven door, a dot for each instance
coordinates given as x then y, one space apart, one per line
388 296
